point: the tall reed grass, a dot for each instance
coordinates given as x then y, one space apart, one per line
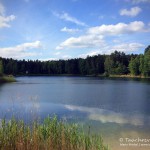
51 134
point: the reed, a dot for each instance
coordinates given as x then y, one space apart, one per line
51 134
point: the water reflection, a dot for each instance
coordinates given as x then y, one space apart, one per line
106 116
112 107
72 111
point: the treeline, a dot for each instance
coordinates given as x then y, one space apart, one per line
141 64
117 63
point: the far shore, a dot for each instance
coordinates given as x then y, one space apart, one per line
7 78
128 76
92 75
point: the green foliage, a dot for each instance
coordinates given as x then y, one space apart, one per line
147 50
108 65
147 64
116 63
90 65
134 66
50 135
4 79
1 68
141 67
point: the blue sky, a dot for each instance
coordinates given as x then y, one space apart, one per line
63 29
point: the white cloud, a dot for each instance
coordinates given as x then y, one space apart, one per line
4 20
57 53
107 116
48 59
116 41
107 49
91 53
65 29
126 47
21 50
117 29
67 17
86 41
94 37
134 11
64 57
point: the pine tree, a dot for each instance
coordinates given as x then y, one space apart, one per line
1 68
147 61
134 66
141 67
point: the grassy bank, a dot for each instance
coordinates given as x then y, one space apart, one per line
50 135
128 76
4 79
80 75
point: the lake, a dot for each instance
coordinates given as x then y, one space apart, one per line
118 109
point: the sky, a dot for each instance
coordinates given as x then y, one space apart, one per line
65 29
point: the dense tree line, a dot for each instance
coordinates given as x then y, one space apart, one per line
1 68
140 65
115 63
90 65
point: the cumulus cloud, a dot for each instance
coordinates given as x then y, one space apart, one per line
107 49
49 59
64 57
65 29
4 20
91 53
57 53
134 11
86 41
120 28
106 116
126 47
94 37
21 50
67 17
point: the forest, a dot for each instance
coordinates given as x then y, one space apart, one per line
117 63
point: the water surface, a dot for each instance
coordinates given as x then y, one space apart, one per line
114 108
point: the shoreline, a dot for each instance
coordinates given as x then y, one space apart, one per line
128 76
79 75
11 78
7 79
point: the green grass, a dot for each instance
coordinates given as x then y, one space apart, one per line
4 79
128 76
49 135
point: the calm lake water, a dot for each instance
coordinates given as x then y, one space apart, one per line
114 108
